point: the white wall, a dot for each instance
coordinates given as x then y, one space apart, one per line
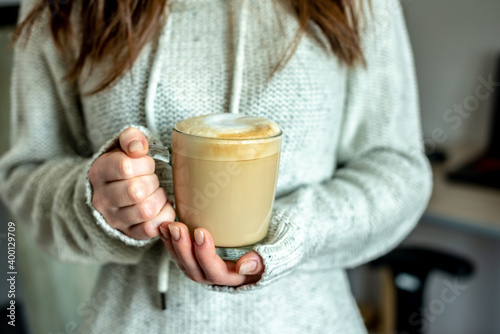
454 42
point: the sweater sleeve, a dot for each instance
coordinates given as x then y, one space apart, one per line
44 175
383 181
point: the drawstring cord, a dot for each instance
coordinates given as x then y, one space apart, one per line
154 76
163 277
164 267
239 61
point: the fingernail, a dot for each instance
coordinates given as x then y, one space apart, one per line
174 232
165 233
247 267
135 145
199 237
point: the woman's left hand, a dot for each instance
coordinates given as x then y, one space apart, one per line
201 264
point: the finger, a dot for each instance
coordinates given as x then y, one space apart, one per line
149 229
133 142
118 166
145 211
183 247
167 241
250 264
132 191
215 269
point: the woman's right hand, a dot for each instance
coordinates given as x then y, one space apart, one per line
126 191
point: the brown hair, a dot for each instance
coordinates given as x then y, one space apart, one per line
119 29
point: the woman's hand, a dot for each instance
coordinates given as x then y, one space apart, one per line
126 191
201 264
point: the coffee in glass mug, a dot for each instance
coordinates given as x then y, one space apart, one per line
225 170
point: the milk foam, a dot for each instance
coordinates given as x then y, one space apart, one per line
229 126
226 137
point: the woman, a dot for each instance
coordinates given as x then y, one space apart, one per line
93 85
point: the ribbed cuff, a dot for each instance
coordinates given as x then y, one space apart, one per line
112 232
281 251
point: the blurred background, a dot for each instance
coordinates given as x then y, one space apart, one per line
445 276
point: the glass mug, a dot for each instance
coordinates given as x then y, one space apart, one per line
224 185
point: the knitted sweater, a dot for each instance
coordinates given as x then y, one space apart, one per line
352 183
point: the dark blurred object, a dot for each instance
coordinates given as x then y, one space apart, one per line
8 15
20 320
485 170
410 269
436 156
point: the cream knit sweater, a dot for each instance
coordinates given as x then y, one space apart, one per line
353 180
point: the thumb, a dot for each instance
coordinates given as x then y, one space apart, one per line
250 264
133 142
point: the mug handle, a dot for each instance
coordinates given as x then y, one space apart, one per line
161 153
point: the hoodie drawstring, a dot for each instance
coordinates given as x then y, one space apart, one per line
239 60
154 76
163 277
